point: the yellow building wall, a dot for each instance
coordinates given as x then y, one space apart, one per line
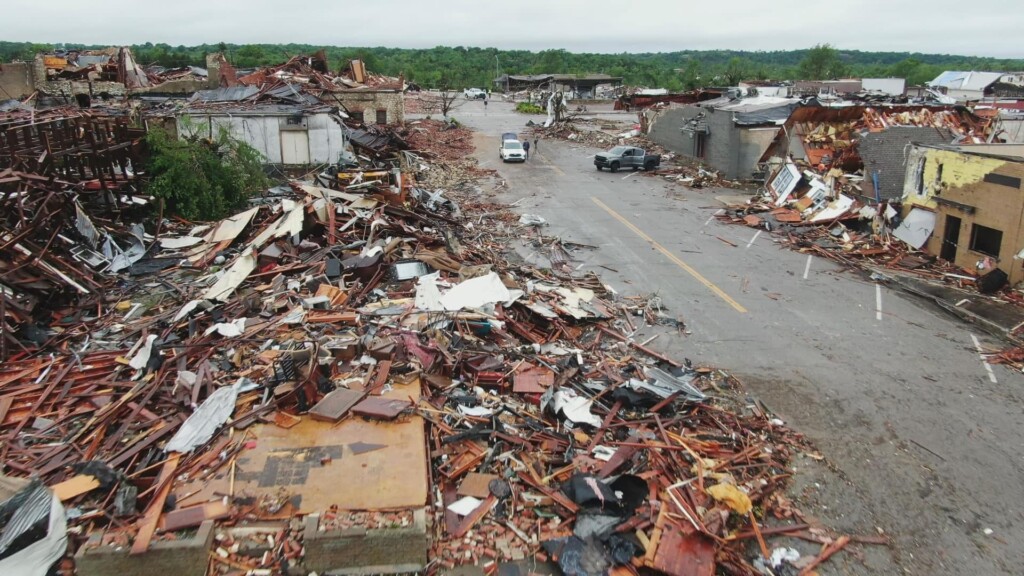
960 178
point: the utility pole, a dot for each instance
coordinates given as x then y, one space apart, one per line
497 70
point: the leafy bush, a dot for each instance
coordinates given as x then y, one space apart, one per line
528 108
203 179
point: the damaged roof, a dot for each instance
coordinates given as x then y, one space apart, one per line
955 80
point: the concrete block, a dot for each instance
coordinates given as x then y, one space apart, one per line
353 552
188 557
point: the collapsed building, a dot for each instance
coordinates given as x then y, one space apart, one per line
77 77
294 113
729 134
870 141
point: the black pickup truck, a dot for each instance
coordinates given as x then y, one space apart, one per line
626 157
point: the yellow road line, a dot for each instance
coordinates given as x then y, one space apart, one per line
675 259
554 166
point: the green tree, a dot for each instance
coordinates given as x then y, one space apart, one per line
249 55
692 75
735 71
203 179
551 62
822 63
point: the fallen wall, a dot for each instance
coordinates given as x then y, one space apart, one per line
369 102
15 80
886 153
362 551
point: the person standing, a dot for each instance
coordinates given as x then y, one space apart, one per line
526 148
535 147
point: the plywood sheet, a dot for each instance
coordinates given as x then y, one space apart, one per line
313 462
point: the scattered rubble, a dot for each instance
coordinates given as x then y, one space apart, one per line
143 355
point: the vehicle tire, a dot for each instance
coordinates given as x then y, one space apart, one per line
649 166
614 167
598 167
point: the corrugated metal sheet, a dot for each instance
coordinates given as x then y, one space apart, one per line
956 80
235 94
22 511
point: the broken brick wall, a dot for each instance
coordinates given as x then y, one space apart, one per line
394 550
67 89
886 153
15 80
369 102
724 149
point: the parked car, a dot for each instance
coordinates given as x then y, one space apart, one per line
475 94
626 157
511 150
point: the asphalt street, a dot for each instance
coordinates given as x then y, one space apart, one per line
927 443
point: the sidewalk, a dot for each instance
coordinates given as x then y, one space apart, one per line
994 316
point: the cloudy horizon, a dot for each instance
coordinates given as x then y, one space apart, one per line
574 25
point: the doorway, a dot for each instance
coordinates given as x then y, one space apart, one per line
950 238
294 147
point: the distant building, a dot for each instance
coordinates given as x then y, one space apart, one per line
966 85
1015 78
888 86
579 85
79 76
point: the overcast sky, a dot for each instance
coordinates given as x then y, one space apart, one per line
988 28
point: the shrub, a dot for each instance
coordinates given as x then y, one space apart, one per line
203 179
529 108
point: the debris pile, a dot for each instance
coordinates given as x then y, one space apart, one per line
830 138
384 297
814 214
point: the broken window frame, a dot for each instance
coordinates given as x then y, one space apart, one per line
982 245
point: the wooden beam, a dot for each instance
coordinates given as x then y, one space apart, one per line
147 526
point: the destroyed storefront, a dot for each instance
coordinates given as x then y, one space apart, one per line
968 206
575 86
643 99
366 97
869 143
727 134
285 134
78 77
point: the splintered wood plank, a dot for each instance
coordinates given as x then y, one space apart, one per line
75 486
533 380
147 526
194 515
682 554
5 406
475 516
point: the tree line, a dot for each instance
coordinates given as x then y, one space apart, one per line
459 67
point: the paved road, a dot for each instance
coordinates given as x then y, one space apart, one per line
928 444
